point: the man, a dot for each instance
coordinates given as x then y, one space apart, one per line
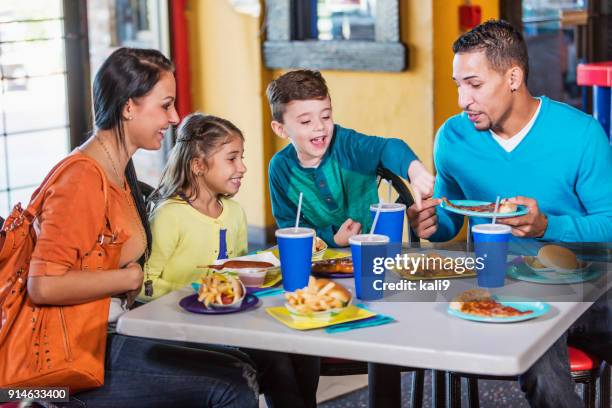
540 153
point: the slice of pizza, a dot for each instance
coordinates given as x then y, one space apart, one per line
504 206
479 302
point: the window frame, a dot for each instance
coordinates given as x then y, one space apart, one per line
282 50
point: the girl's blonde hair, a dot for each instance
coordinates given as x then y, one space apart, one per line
198 135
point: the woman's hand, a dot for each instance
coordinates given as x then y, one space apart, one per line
136 276
75 286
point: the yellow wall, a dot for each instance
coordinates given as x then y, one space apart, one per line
446 23
227 80
392 104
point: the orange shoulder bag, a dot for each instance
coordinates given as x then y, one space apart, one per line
50 345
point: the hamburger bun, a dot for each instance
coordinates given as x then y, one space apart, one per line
470 295
557 257
238 288
337 291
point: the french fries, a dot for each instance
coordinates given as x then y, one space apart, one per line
218 289
314 298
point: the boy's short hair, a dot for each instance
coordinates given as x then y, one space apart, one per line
502 43
297 85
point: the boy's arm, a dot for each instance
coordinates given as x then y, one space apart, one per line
284 211
367 153
449 224
594 189
165 237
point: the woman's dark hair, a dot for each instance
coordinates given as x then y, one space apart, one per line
199 135
128 73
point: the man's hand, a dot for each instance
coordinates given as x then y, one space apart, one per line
422 182
424 220
531 225
347 230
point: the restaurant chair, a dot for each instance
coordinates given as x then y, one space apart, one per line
404 195
585 369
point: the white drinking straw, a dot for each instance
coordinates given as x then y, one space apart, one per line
496 209
297 218
376 217
469 231
389 191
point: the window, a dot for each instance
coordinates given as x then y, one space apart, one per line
34 116
334 34
138 24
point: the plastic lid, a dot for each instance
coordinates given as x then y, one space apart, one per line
295 232
492 229
366 239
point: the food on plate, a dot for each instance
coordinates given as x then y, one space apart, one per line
557 257
319 296
318 245
504 206
533 262
338 265
479 302
237 264
251 273
219 289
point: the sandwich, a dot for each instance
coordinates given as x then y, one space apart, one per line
320 295
557 257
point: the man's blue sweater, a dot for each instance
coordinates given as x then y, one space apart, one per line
564 162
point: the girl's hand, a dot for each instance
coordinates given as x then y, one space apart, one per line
422 182
347 230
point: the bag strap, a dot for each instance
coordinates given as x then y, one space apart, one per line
35 205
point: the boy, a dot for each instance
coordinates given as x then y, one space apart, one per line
334 167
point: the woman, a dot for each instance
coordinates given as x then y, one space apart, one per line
134 93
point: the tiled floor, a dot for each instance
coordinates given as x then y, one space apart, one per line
493 394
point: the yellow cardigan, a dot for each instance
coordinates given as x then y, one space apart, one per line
184 238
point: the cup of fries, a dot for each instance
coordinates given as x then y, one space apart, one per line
321 300
221 290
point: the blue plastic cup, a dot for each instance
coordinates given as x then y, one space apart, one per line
369 252
295 250
491 248
390 221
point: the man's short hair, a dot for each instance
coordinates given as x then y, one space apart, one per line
502 43
298 85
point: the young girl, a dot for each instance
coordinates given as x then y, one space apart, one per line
194 222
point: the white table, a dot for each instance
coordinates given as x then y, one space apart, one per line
424 336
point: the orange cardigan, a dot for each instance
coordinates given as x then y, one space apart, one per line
72 220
